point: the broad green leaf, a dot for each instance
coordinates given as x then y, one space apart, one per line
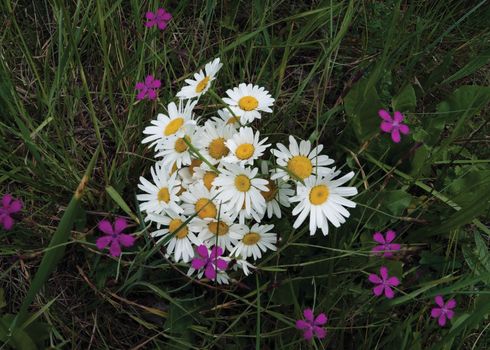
471 67
121 203
405 100
361 106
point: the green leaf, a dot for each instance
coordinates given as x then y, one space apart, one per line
471 67
361 105
405 100
121 203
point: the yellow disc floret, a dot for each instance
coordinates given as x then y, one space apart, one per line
251 238
271 194
208 179
245 151
217 148
180 146
319 194
248 103
173 126
163 195
300 166
205 208
174 225
218 228
202 84
242 183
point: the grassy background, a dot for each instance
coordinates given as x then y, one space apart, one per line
67 76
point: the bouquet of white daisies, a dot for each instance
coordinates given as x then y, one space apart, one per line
214 186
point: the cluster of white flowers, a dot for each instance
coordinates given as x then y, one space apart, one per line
214 184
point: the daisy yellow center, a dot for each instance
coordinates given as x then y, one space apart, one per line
174 225
242 183
233 120
205 208
180 145
208 179
173 126
248 103
245 151
194 163
218 228
300 166
202 84
163 195
319 194
217 148
251 238
271 194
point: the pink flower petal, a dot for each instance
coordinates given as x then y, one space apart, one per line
115 249
6 199
119 225
394 246
395 135
150 24
383 113
390 236
156 84
442 320
450 314
150 15
160 12
103 242
302 324
386 126
321 319
141 95
167 16
398 117
404 129
308 334
319 332
139 86
15 207
375 279
378 237
378 290
210 272
198 263
383 271
215 252
152 94
451 304
308 314
7 222
126 240
106 227
202 251
439 300
393 281
148 80
378 249
162 25
389 292
435 312
221 264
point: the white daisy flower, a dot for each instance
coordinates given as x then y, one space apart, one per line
172 125
245 147
300 160
175 150
256 240
244 265
239 187
247 101
218 232
204 174
198 199
182 237
278 194
226 118
212 139
221 276
161 195
201 82
322 198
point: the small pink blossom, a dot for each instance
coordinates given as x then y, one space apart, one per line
444 311
148 88
393 126
114 236
312 326
159 18
211 262
385 243
384 283
9 206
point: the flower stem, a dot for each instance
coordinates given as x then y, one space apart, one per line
200 156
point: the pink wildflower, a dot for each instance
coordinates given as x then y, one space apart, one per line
393 126
148 88
159 18
114 236
211 262
9 207
312 326
385 243
384 283
444 311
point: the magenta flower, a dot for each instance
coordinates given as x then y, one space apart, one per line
312 326
385 243
384 283
393 126
148 88
444 311
159 18
211 262
9 207
114 236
